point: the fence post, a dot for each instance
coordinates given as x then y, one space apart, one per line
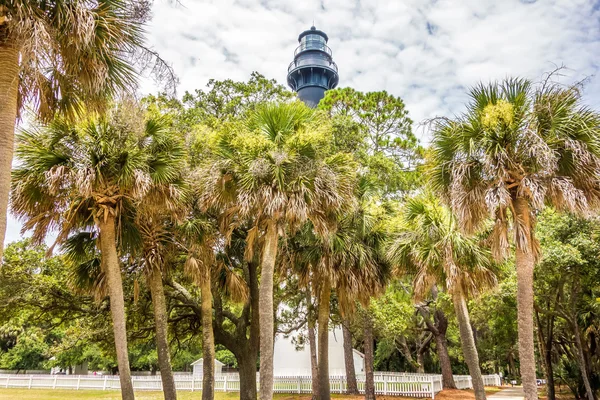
54 384
78 380
385 385
225 384
104 385
7 379
432 388
299 384
30 379
193 380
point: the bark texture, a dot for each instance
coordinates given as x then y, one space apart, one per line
9 85
446 366
438 328
583 366
162 344
546 335
369 358
467 342
312 343
349 359
525 262
266 316
110 260
208 339
323 341
247 369
240 334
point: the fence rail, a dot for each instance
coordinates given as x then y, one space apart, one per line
390 384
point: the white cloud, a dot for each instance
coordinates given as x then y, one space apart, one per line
426 51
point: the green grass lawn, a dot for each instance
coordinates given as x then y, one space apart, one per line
57 394
49 394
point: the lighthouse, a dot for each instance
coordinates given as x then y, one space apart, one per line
313 71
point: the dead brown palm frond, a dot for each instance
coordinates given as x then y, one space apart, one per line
95 59
232 284
61 184
542 145
429 246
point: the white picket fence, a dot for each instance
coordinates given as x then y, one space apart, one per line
386 383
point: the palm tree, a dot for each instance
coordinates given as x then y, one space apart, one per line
199 236
157 253
348 261
277 172
92 175
54 55
430 245
517 148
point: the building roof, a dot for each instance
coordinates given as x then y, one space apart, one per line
315 31
358 353
200 361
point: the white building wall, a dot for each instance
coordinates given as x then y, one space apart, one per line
289 361
359 362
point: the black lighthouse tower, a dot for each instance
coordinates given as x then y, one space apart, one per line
313 71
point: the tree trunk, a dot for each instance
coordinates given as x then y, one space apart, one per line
323 341
425 341
312 343
9 86
468 344
511 365
550 390
420 363
110 260
525 262
369 357
547 352
247 369
266 316
441 342
162 344
208 339
349 358
582 362
445 365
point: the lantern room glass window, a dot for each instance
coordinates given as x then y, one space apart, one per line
313 41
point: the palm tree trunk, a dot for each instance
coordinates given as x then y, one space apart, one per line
314 365
352 386
468 344
369 357
266 316
162 344
525 262
323 341
208 339
9 86
108 251
312 343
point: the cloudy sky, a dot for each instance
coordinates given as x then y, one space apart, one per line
426 51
